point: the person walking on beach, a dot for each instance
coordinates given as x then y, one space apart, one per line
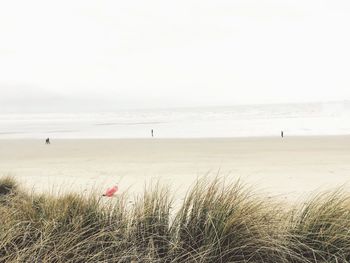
282 134
47 141
152 133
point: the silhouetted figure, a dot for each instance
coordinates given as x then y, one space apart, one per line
152 132
282 134
47 141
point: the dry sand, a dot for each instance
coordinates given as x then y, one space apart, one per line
290 167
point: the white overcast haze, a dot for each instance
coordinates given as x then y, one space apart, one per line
105 55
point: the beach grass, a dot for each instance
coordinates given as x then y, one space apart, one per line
218 221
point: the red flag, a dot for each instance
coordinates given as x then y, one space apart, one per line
111 191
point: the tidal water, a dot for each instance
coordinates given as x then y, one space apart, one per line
236 121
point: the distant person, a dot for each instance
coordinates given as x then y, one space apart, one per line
152 132
47 141
282 134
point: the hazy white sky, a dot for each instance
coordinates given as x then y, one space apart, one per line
100 55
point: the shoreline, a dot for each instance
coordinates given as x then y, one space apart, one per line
277 136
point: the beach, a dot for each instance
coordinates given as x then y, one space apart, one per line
291 168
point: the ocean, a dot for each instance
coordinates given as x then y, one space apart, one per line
332 118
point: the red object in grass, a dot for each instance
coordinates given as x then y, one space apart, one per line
111 191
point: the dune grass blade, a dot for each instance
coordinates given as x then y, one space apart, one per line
217 222
320 229
8 185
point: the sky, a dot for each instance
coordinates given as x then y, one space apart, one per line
100 55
